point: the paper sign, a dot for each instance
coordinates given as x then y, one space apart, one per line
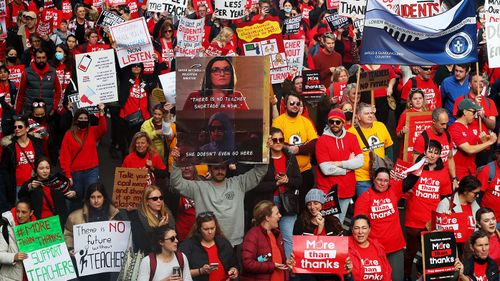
48 257
352 8
168 85
190 37
173 7
493 43
439 251
108 18
133 42
457 222
332 205
416 122
320 254
335 21
129 186
96 75
229 9
100 246
291 25
294 50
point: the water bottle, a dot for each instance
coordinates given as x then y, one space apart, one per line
264 258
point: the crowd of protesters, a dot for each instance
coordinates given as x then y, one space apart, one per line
227 220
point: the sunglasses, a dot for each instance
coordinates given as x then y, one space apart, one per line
172 239
334 122
136 65
170 31
278 140
216 128
294 103
426 68
206 214
20 127
225 70
156 198
38 104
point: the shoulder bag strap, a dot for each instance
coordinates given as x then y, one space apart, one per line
362 136
51 208
81 147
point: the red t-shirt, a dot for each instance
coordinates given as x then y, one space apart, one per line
491 191
278 275
460 134
490 109
425 197
446 145
494 252
213 257
137 99
467 209
46 211
186 216
279 167
382 210
371 265
480 271
24 168
432 93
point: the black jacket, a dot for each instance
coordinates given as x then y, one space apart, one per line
197 256
491 269
142 233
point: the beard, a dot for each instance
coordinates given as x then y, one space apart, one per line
40 65
291 113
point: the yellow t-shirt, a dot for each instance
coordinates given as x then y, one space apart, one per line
297 131
379 139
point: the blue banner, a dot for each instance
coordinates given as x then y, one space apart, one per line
447 38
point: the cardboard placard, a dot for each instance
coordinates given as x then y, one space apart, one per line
332 205
190 38
320 254
416 122
100 246
48 257
133 42
457 222
439 251
372 80
129 186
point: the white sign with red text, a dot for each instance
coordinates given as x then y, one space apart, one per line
190 37
133 42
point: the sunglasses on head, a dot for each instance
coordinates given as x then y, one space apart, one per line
293 103
278 140
172 239
208 214
334 122
156 198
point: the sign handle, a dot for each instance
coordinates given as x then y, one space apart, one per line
355 119
478 73
372 94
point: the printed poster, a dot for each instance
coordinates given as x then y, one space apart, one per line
100 246
459 223
320 254
221 109
416 122
96 75
439 251
48 257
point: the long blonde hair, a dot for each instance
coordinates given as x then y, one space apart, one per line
152 218
225 34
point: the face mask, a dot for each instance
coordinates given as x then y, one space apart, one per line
59 56
12 59
348 115
345 33
82 124
288 10
39 120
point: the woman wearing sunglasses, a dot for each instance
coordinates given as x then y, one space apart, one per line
151 213
281 183
20 151
210 254
165 262
222 134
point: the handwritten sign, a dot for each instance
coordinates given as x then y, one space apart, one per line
128 186
373 80
229 9
100 246
133 42
190 37
48 257
173 7
320 254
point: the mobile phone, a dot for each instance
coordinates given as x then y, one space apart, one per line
176 270
214 265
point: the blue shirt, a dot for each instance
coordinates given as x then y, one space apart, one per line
451 89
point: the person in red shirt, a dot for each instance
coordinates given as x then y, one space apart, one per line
467 139
429 186
209 253
165 45
143 155
78 155
186 215
326 60
92 42
380 95
423 80
366 254
489 176
380 205
487 221
480 266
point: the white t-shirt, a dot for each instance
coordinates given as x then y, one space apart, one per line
163 269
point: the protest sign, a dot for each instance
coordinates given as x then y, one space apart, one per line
3 7
372 80
229 9
3 27
133 42
335 21
53 15
100 246
36 129
16 72
352 8
108 19
459 223
331 205
44 28
311 86
263 38
168 85
48 257
415 8
492 11
206 3
291 25
294 50
236 111
190 37
416 122
439 251
57 181
332 4
129 186
96 75
113 3
493 43
173 7
91 109
399 171
320 254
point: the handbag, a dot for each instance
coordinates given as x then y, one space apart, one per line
135 118
130 265
289 201
376 161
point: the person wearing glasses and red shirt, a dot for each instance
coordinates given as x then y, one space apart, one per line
423 80
151 213
217 88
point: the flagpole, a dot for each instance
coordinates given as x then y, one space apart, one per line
477 73
356 94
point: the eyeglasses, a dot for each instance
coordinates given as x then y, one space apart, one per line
172 239
217 70
206 214
426 68
295 103
156 198
38 104
216 128
19 127
278 140
335 122
476 194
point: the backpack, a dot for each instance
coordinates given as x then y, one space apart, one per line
153 263
425 135
4 223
